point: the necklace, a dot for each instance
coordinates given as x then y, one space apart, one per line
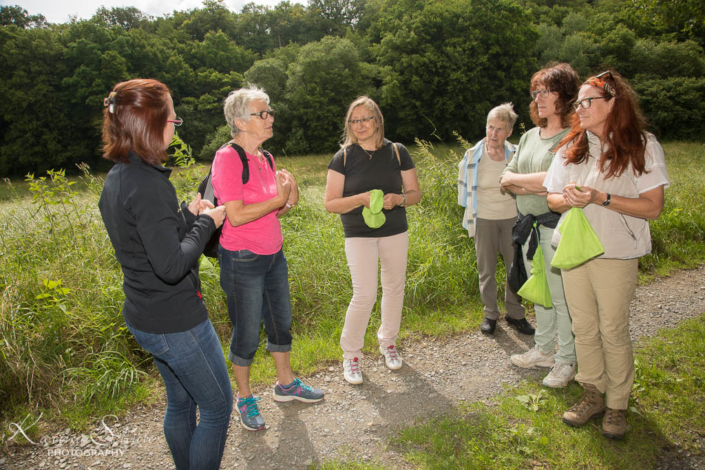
369 154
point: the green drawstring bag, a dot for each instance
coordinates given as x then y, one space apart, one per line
579 242
374 217
535 288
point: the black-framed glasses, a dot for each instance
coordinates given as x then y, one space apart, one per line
544 93
585 103
264 114
364 120
177 121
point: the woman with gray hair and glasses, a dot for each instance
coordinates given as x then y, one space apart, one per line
253 268
490 215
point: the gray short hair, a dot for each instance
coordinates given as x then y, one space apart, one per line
237 105
505 113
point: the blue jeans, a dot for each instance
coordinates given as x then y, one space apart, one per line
257 289
194 372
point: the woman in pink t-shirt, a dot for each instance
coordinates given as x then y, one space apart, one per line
253 269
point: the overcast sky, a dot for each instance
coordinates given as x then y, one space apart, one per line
58 11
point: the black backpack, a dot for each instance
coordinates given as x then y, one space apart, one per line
206 190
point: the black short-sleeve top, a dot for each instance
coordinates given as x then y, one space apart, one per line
364 173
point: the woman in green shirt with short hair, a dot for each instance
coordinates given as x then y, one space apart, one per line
553 90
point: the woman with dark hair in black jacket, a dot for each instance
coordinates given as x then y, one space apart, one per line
158 243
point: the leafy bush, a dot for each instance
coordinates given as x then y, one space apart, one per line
673 106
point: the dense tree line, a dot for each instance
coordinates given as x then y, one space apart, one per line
435 67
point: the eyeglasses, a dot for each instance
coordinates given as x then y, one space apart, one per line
264 114
599 81
361 121
544 93
177 121
587 102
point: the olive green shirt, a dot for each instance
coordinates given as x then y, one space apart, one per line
534 155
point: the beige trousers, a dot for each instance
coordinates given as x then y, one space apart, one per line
599 293
363 255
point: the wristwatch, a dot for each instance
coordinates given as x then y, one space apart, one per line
403 201
608 200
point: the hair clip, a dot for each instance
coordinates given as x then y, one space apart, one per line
600 82
110 102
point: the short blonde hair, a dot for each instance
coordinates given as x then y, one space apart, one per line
348 134
505 113
237 105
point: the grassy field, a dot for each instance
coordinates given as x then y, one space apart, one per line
64 349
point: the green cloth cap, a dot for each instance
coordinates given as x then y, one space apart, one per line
374 218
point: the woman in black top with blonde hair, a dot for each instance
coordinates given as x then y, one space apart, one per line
366 162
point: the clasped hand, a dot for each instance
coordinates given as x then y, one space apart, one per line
203 206
579 196
285 188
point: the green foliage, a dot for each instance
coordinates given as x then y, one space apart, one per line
324 79
666 101
56 317
533 402
214 141
446 64
15 15
434 67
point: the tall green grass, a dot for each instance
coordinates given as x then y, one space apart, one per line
63 343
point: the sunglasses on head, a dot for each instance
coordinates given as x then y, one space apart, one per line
599 81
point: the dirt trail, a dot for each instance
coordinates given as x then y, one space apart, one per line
354 422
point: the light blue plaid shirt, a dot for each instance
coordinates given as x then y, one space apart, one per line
467 172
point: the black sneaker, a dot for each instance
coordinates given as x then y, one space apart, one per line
521 325
488 326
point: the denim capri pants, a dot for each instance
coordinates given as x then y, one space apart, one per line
257 290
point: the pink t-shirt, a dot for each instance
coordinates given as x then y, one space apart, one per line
264 235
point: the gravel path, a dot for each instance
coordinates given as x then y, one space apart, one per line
354 422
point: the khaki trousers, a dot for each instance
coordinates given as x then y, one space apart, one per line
363 255
599 293
491 237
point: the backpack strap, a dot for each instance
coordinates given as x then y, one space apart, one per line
268 156
243 158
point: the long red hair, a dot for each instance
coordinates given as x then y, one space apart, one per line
623 132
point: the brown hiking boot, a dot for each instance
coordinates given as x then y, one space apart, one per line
591 406
614 426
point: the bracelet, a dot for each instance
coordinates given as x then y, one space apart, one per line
403 201
288 206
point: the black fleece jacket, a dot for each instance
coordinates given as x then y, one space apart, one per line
158 243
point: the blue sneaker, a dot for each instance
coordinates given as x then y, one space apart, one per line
297 391
249 413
